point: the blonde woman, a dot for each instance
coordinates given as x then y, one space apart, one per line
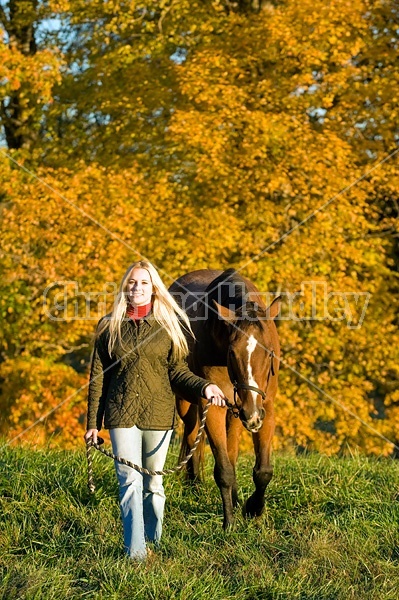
138 362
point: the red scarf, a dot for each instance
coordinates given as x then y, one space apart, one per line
138 312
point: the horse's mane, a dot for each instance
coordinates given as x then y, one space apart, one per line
228 289
231 290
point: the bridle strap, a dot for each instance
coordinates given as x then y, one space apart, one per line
272 355
252 388
235 409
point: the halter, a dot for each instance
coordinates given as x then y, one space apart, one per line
235 409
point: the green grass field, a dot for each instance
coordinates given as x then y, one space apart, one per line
330 531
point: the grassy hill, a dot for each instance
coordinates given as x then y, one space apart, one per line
330 531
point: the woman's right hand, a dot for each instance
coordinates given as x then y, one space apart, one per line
91 433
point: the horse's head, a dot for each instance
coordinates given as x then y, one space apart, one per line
251 358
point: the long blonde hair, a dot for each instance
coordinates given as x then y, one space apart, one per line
165 309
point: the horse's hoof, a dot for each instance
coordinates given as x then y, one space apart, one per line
251 510
228 525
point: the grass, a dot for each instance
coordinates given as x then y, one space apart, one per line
330 531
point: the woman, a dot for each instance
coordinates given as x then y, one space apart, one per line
138 364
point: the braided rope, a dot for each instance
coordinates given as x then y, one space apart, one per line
90 445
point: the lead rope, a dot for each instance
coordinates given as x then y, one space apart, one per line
90 445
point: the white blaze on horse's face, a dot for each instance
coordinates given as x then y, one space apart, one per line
251 345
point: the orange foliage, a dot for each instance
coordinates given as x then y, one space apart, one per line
226 131
33 388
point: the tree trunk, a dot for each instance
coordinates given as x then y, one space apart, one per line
19 25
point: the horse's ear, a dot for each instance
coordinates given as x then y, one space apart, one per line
273 310
225 313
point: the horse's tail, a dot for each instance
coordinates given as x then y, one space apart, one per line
195 466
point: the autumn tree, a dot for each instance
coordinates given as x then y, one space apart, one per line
30 67
217 134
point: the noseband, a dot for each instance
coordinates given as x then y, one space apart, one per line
235 409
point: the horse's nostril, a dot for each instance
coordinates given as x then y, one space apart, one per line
255 419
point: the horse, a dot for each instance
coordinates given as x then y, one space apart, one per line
236 346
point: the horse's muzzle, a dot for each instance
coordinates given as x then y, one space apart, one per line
254 421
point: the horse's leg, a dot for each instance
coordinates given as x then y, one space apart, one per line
263 470
234 430
189 415
223 470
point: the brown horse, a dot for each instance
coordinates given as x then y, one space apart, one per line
236 346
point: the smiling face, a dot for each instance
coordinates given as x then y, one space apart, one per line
139 287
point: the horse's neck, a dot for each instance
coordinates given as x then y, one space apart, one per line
211 346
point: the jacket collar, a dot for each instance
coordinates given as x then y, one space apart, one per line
148 319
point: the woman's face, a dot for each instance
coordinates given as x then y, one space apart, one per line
139 287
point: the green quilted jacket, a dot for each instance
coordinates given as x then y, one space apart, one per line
135 387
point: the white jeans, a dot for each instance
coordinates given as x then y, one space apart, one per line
142 497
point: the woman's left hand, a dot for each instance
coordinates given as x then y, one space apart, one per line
214 393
